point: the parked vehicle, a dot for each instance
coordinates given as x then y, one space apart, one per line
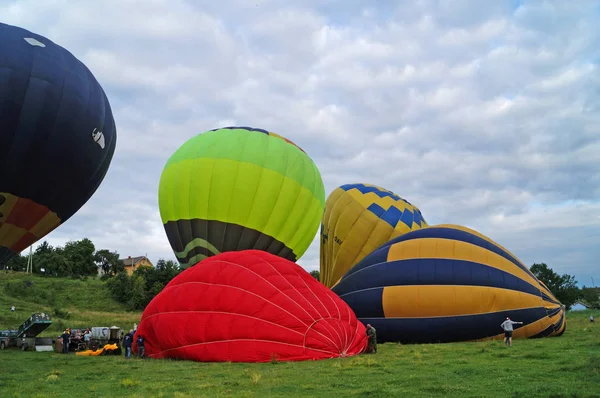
8 338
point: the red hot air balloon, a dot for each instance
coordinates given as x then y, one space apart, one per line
249 306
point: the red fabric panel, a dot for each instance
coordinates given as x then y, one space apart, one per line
27 240
26 214
249 306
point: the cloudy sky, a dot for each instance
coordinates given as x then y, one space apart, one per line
481 113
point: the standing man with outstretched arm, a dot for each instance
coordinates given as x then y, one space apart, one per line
507 325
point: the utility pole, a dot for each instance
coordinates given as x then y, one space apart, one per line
30 261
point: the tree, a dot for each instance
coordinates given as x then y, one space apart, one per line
53 262
139 296
17 263
109 262
44 248
315 274
564 287
591 295
120 287
80 255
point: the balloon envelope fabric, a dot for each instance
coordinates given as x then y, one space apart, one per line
359 218
249 306
57 137
448 283
239 188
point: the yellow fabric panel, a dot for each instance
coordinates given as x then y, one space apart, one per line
452 300
340 207
49 222
361 238
10 234
7 206
353 232
471 231
456 250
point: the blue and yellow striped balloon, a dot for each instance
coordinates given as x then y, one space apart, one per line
359 218
448 283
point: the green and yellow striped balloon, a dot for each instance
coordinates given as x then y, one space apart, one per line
239 188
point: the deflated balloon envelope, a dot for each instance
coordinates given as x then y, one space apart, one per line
240 188
57 137
448 283
358 219
249 306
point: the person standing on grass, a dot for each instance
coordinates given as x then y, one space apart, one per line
141 350
87 338
372 339
127 341
65 338
507 325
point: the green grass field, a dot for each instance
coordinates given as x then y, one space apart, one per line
566 366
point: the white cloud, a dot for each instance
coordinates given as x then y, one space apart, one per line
485 115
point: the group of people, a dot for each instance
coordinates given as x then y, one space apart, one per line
66 337
128 343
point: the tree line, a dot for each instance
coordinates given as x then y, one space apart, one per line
80 259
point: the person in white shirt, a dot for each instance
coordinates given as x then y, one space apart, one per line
507 325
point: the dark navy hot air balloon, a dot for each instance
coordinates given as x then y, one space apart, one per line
448 283
57 137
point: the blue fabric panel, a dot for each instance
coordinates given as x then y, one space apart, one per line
378 256
366 303
432 271
364 189
448 329
376 209
242 128
50 103
393 215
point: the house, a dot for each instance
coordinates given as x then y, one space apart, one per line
133 263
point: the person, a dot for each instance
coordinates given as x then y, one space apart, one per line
507 325
87 338
65 339
127 341
141 349
372 339
12 309
591 319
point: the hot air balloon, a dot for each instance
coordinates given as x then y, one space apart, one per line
249 306
448 283
238 188
358 219
57 137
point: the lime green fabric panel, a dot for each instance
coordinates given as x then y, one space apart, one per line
256 148
198 242
240 193
194 260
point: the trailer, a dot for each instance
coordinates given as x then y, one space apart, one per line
30 329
